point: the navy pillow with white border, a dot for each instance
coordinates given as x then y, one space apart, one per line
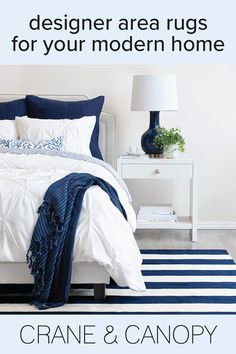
45 108
11 109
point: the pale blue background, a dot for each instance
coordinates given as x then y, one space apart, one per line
14 18
224 338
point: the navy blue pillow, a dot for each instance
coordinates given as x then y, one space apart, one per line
11 109
39 107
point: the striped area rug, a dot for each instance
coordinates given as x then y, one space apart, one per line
177 281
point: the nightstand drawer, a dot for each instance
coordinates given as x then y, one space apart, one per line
156 171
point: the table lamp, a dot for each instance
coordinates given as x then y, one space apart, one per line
153 93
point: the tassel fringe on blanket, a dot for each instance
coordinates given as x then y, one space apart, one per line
50 253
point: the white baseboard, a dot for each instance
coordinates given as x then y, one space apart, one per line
217 225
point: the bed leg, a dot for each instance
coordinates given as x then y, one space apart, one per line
99 292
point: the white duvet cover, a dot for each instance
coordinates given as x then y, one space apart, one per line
103 235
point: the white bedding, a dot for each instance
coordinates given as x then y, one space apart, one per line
103 235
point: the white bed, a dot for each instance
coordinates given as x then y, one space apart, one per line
83 272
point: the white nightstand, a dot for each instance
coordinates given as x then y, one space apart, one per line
155 168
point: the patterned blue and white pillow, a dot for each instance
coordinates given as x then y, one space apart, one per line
52 144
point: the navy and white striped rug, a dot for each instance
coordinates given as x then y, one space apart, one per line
177 281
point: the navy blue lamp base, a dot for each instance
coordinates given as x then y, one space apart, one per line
149 135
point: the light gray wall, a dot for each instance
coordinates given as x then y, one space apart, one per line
206 116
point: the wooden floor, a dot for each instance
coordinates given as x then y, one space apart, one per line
174 239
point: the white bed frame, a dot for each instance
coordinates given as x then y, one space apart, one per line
82 273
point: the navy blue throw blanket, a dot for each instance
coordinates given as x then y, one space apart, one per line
50 253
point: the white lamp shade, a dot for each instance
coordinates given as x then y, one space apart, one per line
154 93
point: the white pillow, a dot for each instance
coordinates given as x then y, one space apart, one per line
76 132
8 129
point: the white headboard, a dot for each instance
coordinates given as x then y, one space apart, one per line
107 134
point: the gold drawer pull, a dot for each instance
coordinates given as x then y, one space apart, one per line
157 171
